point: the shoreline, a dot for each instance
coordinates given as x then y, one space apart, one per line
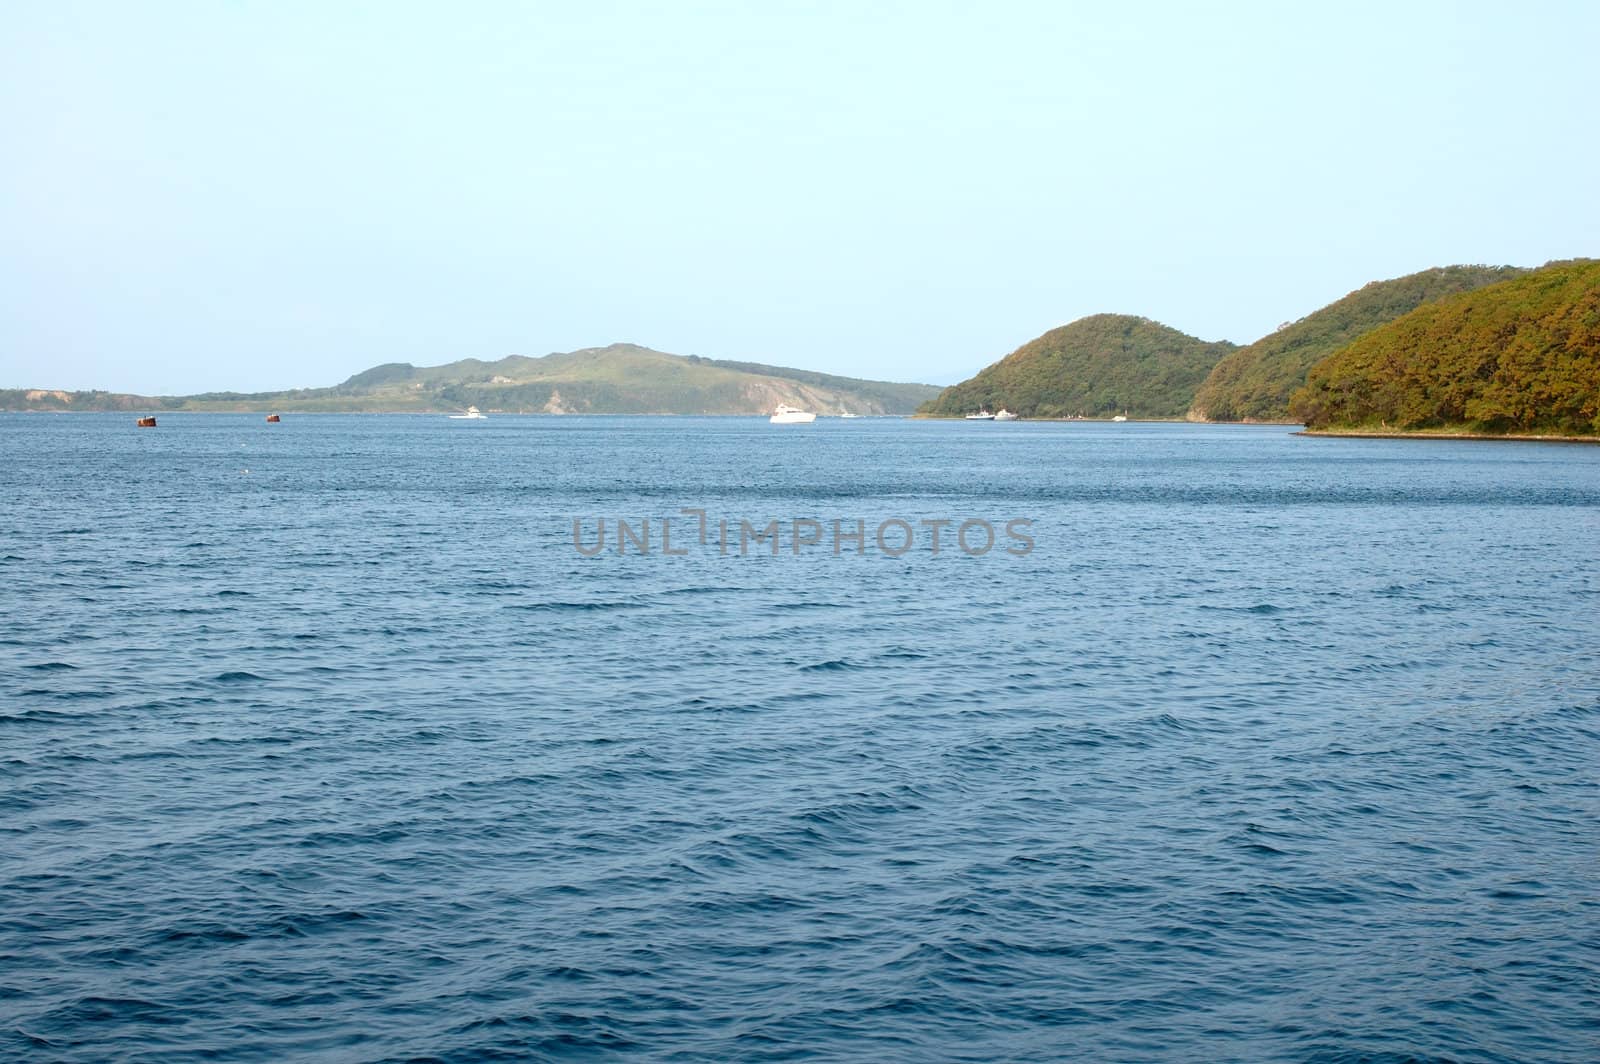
287 411
1361 434
1109 421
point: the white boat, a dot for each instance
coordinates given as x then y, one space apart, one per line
1120 417
789 415
472 414
849 414
981 415
1004 415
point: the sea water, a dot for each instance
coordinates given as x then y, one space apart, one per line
326 741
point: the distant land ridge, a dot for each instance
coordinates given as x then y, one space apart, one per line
1495 350
618 379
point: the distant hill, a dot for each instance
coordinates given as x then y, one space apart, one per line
1521 356
1096 366
619 379
1254 382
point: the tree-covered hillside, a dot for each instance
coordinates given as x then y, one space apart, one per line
1254 382
1095 367
1522 356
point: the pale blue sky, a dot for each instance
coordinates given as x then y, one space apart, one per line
264 195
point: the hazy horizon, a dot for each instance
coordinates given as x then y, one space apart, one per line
252 198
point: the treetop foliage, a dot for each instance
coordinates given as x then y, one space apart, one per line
1521 356
1095 367
1254 382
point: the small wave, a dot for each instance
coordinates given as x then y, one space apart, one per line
1260 609
1259 848
35 1041
569 1034
834 665
309 924
1511 894
237 677
95 1009
50 666
1169 722
577 606
205 934
671 592
63 696
36 716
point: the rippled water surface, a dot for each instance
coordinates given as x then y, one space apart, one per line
321 741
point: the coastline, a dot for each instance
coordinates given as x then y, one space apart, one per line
1429 434
1109 421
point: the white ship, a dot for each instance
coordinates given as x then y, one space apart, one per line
472 414
789 415
1004 415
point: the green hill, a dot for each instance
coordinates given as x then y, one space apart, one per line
620 379
1522 356
1096 367
1254 382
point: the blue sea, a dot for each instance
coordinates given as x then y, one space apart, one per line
351 739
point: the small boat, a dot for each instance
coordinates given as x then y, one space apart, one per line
981 415
146 423
790 415
1120 417
472 414
273 419
849 414
1004 415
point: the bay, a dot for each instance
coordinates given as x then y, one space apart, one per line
325 741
